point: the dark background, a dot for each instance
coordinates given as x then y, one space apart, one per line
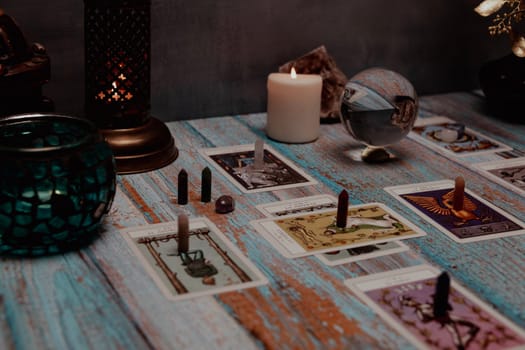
212 58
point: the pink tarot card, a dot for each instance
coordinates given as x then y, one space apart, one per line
404 298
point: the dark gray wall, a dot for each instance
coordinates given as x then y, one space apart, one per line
212 58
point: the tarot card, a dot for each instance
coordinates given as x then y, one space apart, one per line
237 164
316 232
515 153
477 220
349 255
404 298
312 203
212 264
298 205
469 144
509 173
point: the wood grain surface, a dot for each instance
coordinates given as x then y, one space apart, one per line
101 297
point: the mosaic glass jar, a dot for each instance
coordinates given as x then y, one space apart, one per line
57 180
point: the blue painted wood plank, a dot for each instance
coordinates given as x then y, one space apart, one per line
63 301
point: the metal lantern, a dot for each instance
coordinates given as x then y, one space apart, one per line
117 79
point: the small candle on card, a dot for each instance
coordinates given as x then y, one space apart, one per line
342 209
183 234
294 107
459 193
258 154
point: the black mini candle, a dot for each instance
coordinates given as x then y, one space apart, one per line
441 295
206 185
182 188
342 209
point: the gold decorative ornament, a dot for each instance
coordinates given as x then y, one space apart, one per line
507 15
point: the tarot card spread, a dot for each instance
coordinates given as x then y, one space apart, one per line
211 265
509 173
477 220
469 143
237 164
338 257
316 232
405 298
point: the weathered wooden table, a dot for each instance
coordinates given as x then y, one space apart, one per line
101 298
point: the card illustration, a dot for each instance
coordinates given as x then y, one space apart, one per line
405 299
475 221
317 232
512 154
508 173
348 255
469 142
212 264
323 201
298 205
237 163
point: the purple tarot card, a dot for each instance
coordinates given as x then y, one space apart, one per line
405 299
476 220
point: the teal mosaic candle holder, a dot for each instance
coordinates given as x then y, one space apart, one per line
57 180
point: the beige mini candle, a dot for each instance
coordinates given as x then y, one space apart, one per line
294 107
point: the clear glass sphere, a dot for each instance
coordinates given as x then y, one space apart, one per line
378 107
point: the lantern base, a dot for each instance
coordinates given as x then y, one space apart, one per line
143 148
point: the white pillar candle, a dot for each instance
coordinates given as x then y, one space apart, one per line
294 107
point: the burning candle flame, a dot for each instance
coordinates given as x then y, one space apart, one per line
118 92
293 74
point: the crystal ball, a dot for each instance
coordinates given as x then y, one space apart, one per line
378 107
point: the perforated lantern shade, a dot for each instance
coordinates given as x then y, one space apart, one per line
117 79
